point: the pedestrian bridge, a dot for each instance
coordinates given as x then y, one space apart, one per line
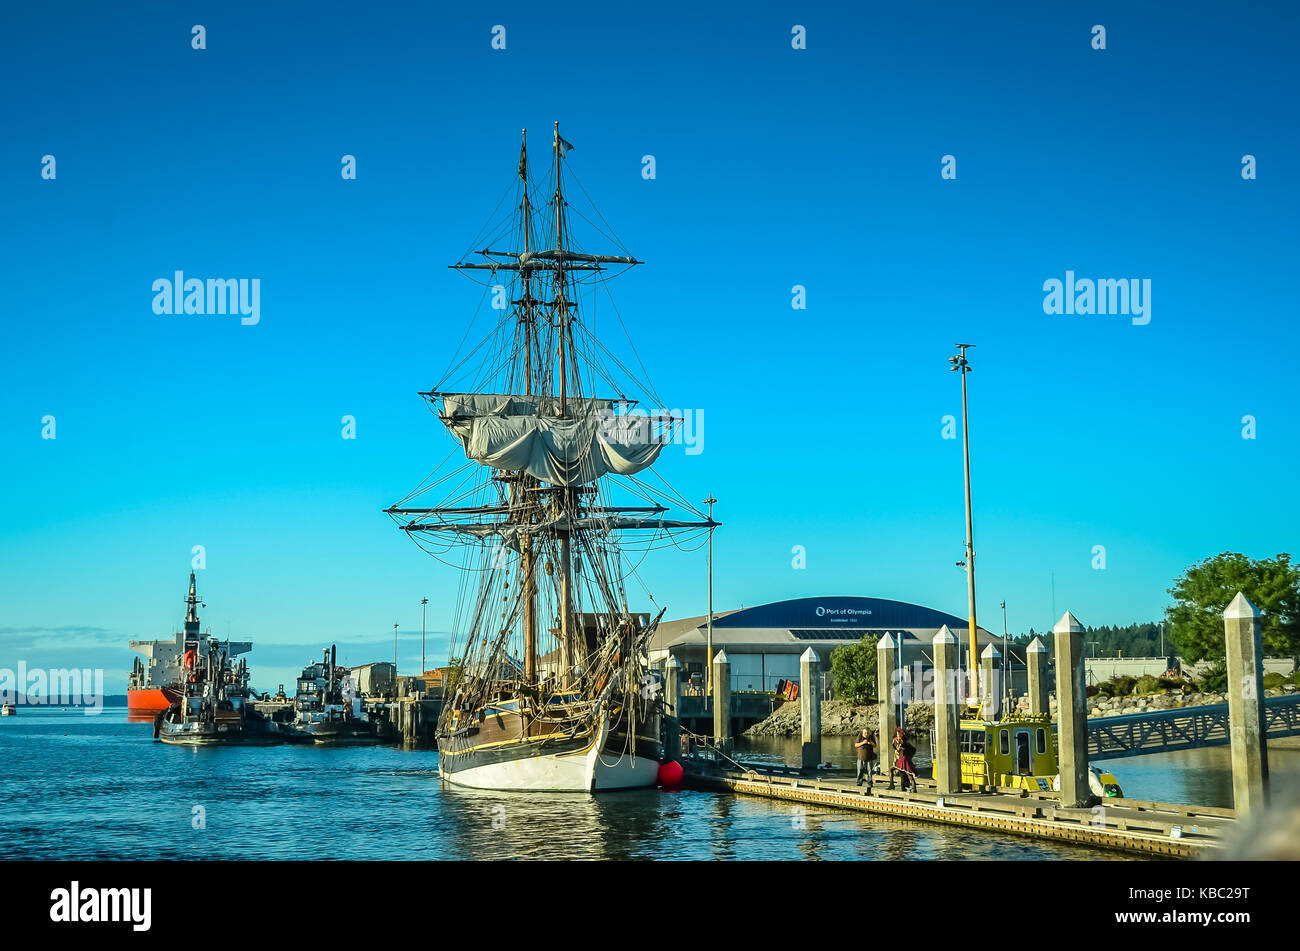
1187 728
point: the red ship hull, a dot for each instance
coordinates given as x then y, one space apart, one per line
150 700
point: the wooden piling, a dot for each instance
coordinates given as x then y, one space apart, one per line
946 748
810 708
721 701
1244 656
1071 712
888 693
1039 695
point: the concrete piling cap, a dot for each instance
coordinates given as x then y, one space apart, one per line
1037 646
990 652
1068 624
673 662
720 657
809 657
1241 606
945 636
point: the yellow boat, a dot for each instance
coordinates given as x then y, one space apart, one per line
1018 751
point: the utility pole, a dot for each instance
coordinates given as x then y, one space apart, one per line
708 649
1006 651
961 365
424 609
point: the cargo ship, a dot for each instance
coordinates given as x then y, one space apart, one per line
156 682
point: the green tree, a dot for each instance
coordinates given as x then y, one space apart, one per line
1204 590
853 671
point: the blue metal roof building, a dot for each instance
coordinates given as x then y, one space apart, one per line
763 643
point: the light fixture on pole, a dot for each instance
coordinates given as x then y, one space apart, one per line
708 648
1006 652
394 649
424 610
960 364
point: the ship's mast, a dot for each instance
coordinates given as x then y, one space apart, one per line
565 494
192 611
521 487
542 509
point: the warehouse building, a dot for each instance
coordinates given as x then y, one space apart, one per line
764 643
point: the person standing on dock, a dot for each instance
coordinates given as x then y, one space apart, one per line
903 753
866 747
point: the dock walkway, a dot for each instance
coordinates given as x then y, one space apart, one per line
1126 825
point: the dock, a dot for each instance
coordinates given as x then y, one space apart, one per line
979 785
1135 826
407 720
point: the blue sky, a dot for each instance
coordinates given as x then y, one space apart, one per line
775 167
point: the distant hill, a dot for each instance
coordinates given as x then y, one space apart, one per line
108 700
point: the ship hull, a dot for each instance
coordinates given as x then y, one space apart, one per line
150 700
236 733
582 765
350 733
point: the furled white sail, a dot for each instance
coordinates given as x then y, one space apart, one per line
510 431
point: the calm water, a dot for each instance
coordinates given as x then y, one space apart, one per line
98 787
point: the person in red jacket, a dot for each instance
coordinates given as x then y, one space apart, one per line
903 753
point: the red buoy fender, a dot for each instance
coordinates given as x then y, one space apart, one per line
670 774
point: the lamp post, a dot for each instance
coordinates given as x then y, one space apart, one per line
424 609
1006 651
708 648
960 364
394 649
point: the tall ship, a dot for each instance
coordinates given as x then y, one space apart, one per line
550 686
156 681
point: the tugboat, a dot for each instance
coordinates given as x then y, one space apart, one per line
326 707
156 685
8 710
214 707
